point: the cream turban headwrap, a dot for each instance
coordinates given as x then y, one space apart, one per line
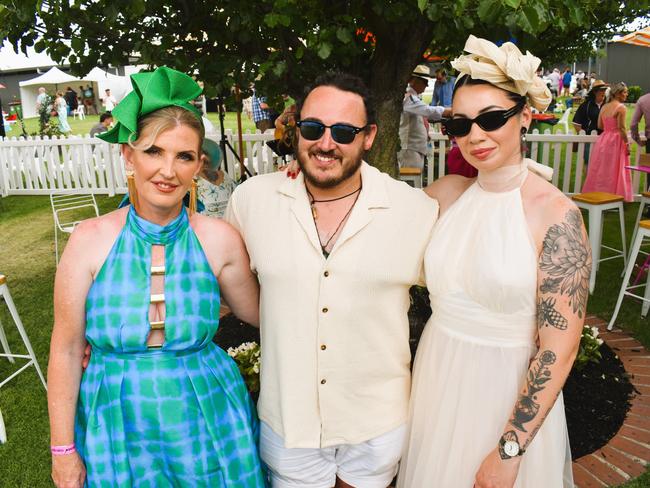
505 67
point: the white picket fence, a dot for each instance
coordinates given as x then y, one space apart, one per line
37 165
40 166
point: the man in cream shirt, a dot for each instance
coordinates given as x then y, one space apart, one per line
335 250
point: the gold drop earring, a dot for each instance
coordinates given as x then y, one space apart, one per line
193 195
130 184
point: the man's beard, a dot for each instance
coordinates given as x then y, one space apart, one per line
354 163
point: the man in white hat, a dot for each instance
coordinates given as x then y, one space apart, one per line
412 126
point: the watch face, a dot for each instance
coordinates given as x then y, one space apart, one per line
511 448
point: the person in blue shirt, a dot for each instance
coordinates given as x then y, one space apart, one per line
566 81
443 89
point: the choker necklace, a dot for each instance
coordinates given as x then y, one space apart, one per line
312 200
340 224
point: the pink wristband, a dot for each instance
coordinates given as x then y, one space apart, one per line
62 450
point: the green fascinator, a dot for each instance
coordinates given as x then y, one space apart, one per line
152 91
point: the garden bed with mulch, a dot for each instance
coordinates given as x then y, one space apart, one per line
596 398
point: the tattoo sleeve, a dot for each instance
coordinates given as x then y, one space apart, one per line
564 268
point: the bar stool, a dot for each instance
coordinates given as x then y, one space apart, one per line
413 176
3 432
596 203
642 233
645 200
4 294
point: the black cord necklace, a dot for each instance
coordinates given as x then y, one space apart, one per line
312 200
338 227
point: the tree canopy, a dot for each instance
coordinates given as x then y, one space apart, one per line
283 44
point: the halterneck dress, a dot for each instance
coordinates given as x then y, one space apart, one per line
607 170
472 359
179 415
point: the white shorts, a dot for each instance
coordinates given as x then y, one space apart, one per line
408 158
370 464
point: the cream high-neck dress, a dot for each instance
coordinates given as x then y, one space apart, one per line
471 363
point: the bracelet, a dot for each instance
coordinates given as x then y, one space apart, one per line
62 450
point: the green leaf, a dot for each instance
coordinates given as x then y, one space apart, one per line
528 19
513 3
486 10
77 44
324 50
344 35
271 20
422 4
138 7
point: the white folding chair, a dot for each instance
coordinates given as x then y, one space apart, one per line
11 356
80 112
65 210
6 297
564 120
3 432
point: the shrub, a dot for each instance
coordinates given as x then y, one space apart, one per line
633 93
589 351
247 357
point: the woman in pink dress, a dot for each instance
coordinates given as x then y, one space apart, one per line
611 153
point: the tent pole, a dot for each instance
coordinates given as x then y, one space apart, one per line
240 137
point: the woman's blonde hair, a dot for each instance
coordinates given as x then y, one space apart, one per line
151 125
615 89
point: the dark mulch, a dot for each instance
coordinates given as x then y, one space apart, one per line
232 332
596 398
596 401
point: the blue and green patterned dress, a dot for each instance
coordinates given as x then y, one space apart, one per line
175 416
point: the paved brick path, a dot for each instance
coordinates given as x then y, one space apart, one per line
628 453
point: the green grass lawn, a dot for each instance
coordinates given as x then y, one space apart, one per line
83 127
27 259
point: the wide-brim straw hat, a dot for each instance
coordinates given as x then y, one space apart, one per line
422 71
598 85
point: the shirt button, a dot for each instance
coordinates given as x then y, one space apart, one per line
325 310
323 347
322 382
326 274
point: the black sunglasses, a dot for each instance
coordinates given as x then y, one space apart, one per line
488 121
313 130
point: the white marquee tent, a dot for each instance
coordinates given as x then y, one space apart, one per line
56 80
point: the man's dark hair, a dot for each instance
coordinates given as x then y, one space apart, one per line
104 116
343 82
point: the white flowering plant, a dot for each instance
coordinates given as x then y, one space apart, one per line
247 357
589 351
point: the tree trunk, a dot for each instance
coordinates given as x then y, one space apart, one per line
396 55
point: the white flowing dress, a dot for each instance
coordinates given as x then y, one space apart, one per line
471 363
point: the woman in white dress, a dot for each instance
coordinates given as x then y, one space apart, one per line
61 107
508 271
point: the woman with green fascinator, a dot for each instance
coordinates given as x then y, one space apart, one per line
159 404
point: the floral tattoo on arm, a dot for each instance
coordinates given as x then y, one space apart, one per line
527 406
567 261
